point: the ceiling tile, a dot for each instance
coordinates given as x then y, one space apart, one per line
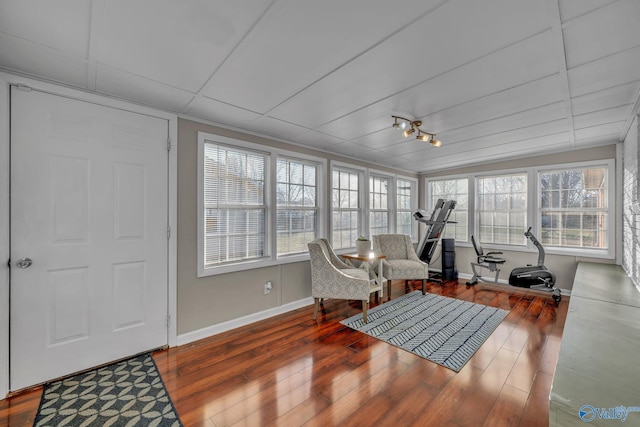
601 117
382 138
519 99
570 9
607 98
219 112
604 130
540 115
62 25
27 57
611 71
587 38
515 65
318 139
284 54
414 55
528 147
169 42
147 92
504 139
276 128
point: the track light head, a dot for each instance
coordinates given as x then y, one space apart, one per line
410 126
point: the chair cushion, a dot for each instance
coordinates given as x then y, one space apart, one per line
405 269
394 246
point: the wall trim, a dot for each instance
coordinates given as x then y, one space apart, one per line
218 328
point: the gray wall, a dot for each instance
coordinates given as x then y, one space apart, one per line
563 266
207 301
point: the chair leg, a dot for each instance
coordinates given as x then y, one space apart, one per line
424 286
316 303
388 289
365 307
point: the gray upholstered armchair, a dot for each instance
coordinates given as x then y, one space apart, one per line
401 261
332 278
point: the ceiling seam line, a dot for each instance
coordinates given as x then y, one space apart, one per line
553 10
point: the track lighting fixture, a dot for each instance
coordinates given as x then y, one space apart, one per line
410 126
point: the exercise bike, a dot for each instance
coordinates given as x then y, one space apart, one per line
535 277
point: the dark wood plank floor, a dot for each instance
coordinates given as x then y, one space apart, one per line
290 370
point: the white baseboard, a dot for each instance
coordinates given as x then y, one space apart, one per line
199 334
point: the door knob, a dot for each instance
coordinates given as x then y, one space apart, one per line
24 263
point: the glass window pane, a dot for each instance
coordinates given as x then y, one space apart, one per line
575 215
232 178
296 218
502 209
453 189
345 208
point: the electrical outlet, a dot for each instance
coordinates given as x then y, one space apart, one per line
267 287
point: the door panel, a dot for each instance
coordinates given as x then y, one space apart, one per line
89 206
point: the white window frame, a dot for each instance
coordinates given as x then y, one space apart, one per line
390 202
273 154
470 200
533 207
414 204
528 211
363 218
609 252
318 198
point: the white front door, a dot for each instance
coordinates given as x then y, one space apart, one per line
89 209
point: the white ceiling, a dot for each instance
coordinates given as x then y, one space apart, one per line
495 79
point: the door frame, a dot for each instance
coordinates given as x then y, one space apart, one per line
6 80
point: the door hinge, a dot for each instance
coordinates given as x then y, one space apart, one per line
168 232
9 263
168 320
169 144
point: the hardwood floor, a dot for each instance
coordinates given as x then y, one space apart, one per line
290 370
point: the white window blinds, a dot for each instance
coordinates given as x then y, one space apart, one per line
234 204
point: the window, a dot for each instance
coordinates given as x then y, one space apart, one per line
405 206
502 209
453 189
257 205
234 204
574 207
345 189
297 205
378 205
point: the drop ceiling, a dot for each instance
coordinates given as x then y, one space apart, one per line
494 79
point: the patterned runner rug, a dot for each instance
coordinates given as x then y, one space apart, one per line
444 330
127 393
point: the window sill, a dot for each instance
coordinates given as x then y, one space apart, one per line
251 265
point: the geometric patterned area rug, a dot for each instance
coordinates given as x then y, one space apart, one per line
127 393
444 330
